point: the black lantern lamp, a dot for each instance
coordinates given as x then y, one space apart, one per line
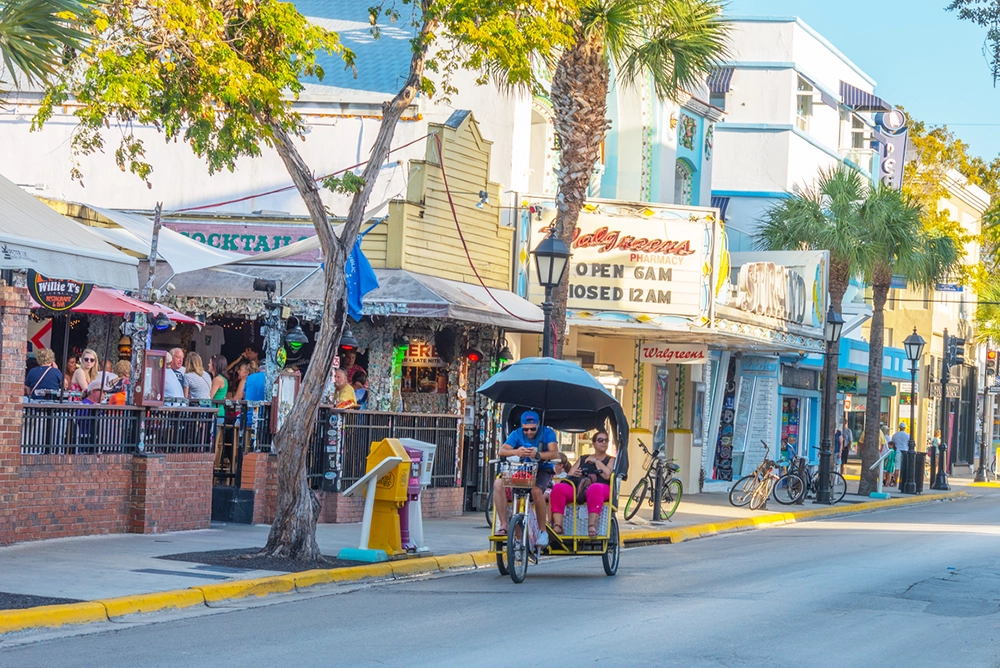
347 340
551 258
914 346
831 332
161 322
295 337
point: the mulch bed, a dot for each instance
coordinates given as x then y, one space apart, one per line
244 558
10 601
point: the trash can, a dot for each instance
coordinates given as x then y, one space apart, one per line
920 464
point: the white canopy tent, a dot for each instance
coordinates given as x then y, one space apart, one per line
33 236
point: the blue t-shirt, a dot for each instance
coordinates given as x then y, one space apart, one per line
253 388
45 377
517 439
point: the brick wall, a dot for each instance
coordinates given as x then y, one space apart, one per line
73 495
13 350
170 492
260 473
337 509
442 502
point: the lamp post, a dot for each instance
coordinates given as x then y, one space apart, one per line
551 258
831 332
914 345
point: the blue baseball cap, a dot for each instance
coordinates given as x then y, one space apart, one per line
529 417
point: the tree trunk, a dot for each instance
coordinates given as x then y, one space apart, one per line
873 409
293 533
580 101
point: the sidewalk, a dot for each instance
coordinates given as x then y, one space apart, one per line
98 567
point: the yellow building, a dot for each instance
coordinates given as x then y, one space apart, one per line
950 306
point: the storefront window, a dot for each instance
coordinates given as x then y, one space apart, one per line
660 408
723 465
791 417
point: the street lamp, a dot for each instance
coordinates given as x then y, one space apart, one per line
914 345
831 332
551 258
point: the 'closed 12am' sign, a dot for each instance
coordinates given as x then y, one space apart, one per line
659 352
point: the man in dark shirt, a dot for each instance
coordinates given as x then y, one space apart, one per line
45 376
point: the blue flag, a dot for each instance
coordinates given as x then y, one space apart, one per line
361 280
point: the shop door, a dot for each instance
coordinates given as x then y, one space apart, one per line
660 404
794 420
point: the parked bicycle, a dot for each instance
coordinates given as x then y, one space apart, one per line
754 489
672 487
790 489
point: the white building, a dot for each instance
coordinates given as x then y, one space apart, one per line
794 105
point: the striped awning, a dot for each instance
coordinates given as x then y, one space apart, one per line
720 79
721 203
862 100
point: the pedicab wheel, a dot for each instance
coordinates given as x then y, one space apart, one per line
517 548
502 561
741 492
611 555
635 499
489 510
671 497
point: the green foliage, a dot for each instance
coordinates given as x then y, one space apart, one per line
36 36
675 42
348 184
221 75
985 13
218 75
497 39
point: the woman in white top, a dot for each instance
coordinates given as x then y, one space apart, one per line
199 382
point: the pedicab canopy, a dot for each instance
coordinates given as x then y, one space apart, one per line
568 398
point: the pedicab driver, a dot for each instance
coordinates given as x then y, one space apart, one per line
532 441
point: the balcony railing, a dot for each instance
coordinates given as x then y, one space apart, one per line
338 448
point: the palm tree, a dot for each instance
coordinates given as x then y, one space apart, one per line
672 42
896 240
826 217
37 35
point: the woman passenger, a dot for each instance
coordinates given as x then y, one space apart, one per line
596 468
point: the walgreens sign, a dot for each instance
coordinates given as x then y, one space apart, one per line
658 352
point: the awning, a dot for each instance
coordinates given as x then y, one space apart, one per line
862 100
400 293
719 80
33 236
825 96
183 254
722 204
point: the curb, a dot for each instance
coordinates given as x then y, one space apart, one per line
112 609
694 531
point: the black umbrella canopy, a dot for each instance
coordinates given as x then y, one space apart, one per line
547 384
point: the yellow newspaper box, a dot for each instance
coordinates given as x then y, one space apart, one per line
390 495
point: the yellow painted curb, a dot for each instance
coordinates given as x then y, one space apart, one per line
131 605
381 571
223 591
452 562
693 531
410 567
484 559
313 578
984 484
52 615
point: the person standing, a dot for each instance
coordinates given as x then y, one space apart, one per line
198 381
846 450
901 440
176 387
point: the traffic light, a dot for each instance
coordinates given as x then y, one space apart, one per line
991 362
958 354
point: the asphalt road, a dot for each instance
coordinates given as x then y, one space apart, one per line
916 586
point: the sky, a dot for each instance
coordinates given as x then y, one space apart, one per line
921 57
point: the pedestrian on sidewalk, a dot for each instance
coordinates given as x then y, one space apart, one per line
846 451
889 463
901 440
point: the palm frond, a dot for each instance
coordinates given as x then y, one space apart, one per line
35 35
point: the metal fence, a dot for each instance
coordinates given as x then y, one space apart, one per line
361 428
74 428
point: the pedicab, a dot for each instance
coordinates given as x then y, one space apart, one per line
568 399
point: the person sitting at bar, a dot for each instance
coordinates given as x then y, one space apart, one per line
343 395
45 377
123 369
71 366
255 387
88 372
198 381
348 362
360 385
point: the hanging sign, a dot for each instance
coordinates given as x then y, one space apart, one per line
423 370
57 294
661 352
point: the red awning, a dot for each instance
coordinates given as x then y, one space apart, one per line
105 300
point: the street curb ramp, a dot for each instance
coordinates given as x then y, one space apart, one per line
112 609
